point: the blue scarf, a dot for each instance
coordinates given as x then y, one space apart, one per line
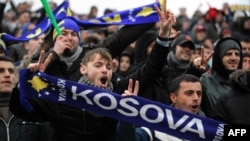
139 15
144 112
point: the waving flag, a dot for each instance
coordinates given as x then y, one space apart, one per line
139 15
60 13
144 112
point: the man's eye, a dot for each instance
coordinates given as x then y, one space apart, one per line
1 70
11 71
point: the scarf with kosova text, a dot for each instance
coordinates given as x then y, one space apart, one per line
144 112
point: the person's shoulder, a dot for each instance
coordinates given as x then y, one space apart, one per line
208 79
206 76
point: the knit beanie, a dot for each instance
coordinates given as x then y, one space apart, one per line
67 23
227 45
220 49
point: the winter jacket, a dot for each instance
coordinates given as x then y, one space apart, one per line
20 130
75 124
233 107
212 87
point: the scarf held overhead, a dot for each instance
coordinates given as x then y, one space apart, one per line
144 112
139 15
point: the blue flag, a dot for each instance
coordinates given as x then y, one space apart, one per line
144 112
140 15
60 13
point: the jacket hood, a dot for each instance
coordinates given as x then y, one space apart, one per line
221 47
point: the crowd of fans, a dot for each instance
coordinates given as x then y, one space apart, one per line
213 46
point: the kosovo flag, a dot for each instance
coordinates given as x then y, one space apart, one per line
139 15
60 13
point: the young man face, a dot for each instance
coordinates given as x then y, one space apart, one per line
7 76
231 59
98 71
183 53
188 97
71 40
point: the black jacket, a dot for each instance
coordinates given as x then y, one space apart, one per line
157 90
74 124
233 107
20 130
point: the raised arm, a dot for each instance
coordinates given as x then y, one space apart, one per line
153 66
118 42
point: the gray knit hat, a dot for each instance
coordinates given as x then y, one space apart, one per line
227 45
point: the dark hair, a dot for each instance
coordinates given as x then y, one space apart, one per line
246 54
175 84
6 58
128 54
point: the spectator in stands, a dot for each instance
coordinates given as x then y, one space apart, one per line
12 127
226 59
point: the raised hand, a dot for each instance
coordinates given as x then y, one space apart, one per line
61 44
41 65
201 62
130 90
167 19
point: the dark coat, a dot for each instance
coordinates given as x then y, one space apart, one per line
157 89
233 107
20 130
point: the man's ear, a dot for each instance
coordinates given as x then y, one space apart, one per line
172 97
83 69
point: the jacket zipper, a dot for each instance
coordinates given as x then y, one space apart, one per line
7 127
